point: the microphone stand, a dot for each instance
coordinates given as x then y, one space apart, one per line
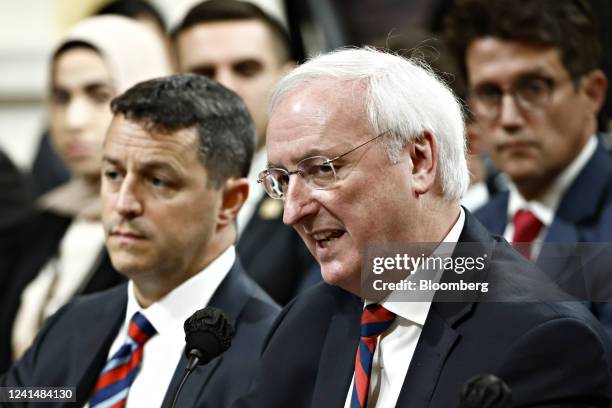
194 358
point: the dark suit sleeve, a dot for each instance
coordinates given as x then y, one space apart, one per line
26 371
562 362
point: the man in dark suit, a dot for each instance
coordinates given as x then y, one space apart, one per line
367 151
536 91
174 163
248 51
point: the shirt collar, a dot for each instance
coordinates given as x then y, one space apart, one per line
546 205
168 314
417 311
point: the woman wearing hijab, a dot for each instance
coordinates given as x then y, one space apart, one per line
63 244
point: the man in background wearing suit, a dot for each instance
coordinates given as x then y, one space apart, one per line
173 179
536 90
368 148
246 50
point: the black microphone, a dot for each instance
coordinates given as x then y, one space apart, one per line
208 333
485 391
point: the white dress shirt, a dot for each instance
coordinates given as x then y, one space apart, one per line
476 196
545 206
396 346
162 352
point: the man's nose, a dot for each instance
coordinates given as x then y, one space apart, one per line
510 116
128 203
298 201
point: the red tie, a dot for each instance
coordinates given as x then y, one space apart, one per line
526 228
375 320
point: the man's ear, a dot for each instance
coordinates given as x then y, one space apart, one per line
424 155
235 193
595 84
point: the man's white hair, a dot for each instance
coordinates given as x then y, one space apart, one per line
403 97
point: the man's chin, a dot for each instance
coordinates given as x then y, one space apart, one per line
129 268
349 281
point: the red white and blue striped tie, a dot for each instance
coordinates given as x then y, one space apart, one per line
375 320
112 387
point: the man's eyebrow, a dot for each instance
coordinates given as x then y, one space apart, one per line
528 74
328 153
110 160
159 165
150 166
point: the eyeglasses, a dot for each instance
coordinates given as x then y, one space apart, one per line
529 94
318 172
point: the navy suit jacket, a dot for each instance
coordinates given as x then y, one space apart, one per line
550 354
584 215
73 346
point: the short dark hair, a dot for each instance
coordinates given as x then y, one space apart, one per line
214 11
564 24
220 118
133 9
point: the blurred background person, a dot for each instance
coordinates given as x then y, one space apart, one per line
48 169
63 243
248 51
143 12
536 90
423 45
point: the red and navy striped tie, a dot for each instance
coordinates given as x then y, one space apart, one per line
118 374
375 319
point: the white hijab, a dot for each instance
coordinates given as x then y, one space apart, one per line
133 53
132 50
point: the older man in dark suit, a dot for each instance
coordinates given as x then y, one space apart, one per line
368 148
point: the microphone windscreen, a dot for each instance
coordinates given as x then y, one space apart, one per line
209 332
486 391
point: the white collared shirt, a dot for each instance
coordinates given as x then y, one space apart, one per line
256 191
163 351
545 207
396 346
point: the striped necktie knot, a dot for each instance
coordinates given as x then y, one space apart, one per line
140 329
375 320
118 374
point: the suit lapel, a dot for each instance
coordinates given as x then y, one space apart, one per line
494 214
580 203
439 334
586 194
231 297
95 342
338 357
434 344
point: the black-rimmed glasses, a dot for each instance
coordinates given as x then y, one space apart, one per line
529 94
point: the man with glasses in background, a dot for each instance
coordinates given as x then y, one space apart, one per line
366 150
536 90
